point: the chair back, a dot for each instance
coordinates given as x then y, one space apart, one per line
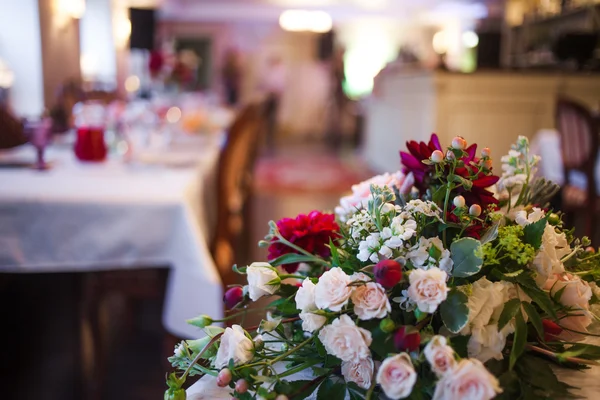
235 172
579 141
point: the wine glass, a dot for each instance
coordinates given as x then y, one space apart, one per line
40 137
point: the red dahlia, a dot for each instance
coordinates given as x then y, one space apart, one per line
310 232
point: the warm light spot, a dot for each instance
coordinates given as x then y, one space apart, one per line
173 115
132 84
440 42
305 21
470 39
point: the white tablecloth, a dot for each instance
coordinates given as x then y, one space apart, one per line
94 216
546 143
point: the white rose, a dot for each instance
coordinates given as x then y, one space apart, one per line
305 296
332 290
486 303
312 322
345 340
487 342
397 376
439 355
554 247
427 288
359 372
370 301
234 344
522 218
468 380
259 274
576 293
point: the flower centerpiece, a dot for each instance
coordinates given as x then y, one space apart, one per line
425 284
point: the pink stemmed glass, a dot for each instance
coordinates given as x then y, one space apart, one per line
41 134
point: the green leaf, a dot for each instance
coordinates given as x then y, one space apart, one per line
534 318
467 256
335 256
533 233
508 312
438 195
490 234
296 390
538 380
291 258
466 183
454 311
332 390
520 339
355 392
460 345
539 297
582 350
285 306
213 331
268 326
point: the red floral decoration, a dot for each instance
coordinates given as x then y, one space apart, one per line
419 151
310 232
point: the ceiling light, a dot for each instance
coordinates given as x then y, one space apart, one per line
470 39
440 42
305 21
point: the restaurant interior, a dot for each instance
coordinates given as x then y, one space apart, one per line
146 144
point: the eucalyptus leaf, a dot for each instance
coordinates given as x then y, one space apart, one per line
467 255
454 311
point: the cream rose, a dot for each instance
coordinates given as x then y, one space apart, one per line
333 290
468 380
397 376
312 322
305 296
370 301
359 372
345 340
234 344
427 288
439 355
259 275
548 260
576 292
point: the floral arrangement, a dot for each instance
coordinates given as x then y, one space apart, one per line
425 284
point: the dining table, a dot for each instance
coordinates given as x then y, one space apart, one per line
153 209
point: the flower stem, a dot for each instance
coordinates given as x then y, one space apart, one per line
553 355
291 351
199 356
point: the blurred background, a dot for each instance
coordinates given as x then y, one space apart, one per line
145 145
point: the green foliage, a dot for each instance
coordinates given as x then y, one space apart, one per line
534 318
581 350
539 297
508 312
296 390
291 258
332 389
519 340
532 233
454 311
467 256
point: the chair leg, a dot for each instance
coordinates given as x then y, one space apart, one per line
95 355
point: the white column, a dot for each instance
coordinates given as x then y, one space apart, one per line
98 50
21 49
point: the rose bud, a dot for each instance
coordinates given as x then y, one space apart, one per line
437 156
387 325
224 377
233 297
459 201
590 249
459 143
241 386
388 273
486 152
475 210
551 330
487 164
406 341
201 321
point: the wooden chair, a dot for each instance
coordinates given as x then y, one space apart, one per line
234 186
578 132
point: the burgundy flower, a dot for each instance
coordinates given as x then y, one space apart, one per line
417 152
310 232
233 296
388 273
405 340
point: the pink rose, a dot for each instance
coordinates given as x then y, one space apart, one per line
439 355
359 372
332 290
427 288
370 301
467 380
397 376
345 340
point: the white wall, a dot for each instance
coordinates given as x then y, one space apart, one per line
99 62
20 48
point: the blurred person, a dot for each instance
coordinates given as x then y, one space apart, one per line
232 77
273 83
339 99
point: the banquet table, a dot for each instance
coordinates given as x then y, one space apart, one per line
150 212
